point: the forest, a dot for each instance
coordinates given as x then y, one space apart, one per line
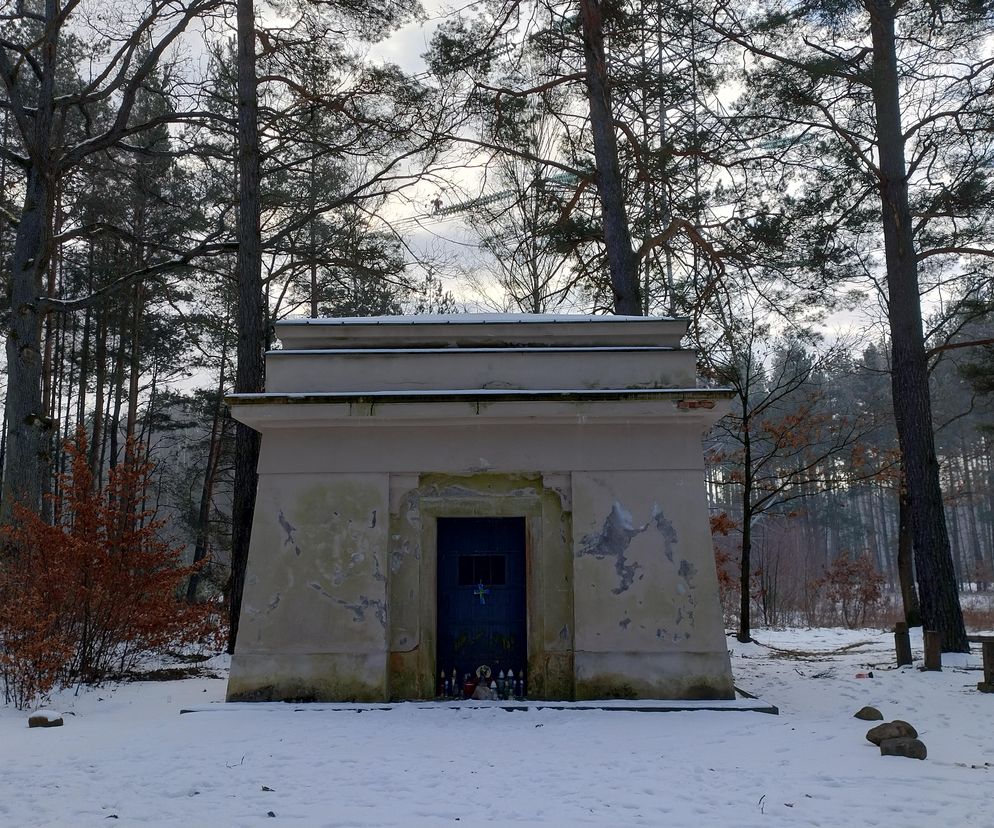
809 183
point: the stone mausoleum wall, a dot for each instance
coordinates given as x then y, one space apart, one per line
588 427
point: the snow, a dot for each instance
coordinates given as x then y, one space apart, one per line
470 319
448 352
608 393
126 751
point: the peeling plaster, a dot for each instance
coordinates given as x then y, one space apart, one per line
377 571
616 536
687 571
560 483
613 541
399 552
666 529
459 492
358 609
289 528
321 591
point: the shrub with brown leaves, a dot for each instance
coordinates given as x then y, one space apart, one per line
854 587
90 596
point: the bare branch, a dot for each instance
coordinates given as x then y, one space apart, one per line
46 304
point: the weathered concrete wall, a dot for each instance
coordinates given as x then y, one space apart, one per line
378 428
287 371
411 570
647 622
314 618
325 564
477 445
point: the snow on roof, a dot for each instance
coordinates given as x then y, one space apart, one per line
568 349
472 319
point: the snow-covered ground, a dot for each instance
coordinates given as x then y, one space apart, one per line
127 757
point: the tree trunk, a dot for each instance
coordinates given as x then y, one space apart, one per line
134 360
99 383
29 429
98 481
745 569
114 423
976 572
250 312
989 454
938 594
68 360
879 501
207 490
745 598
622 262
28 426
84 345
956 549
905 565
50 325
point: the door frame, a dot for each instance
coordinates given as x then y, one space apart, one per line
548 573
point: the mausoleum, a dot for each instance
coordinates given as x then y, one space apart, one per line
453 502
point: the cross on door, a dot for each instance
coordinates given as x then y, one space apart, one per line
482 591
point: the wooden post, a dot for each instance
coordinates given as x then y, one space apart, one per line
902 643
933 650
987 648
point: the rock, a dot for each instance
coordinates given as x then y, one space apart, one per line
45 718
891 730
903 746
869 714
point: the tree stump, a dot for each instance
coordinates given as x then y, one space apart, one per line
902 643
933 650
986 643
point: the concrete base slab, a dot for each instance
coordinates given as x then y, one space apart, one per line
621 705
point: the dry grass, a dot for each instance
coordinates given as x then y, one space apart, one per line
167 674
978 614
979 618
813 655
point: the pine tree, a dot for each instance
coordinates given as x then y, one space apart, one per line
44 97
875 89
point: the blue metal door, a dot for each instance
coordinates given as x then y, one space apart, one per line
481 599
